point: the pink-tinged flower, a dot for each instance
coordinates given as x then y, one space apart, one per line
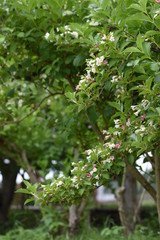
92 54
93 80
86 151
50 195
106 137
143 117
88 175
105 62
157 1
123 127
118 145
105 145
128 122
104 132
96 45
77 88
94 165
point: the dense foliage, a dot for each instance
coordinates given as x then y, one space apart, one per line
103 56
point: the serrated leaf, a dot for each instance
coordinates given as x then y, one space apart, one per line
140 17
132 49
139 69
23 190
151 33
137 7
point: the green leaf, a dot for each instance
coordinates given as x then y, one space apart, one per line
137 7
106 176
139 69
29 200
151 33
146 48
132 49
81 191
20 35
154 67
115 105
79 60
140 17
139 41
2 38
149 82
23 190
71 96
122 164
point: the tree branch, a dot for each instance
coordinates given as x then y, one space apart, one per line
135 173
34 110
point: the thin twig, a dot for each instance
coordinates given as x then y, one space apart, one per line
34 110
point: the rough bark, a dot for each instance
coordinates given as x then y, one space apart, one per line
75 214
9 173
127 202
157 174
28 168
72 220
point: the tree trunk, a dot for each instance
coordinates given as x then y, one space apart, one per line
9 173
72 220
127 202
157 174
74 217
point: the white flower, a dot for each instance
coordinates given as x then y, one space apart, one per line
116 121
74 34
20 102
77 186
93 69
43 76
114 79
49 102
47 35
142 127
116 133
104 37
91 172
74 179
150 123
130 150
89 151
96 177
111 145
136 113
133 107
111 37
99 61
94 169
93 23
145 103
59 183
